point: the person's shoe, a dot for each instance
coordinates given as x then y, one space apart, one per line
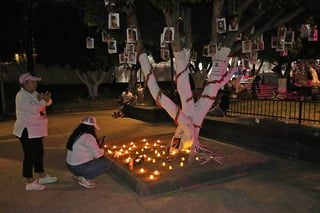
89 184
47 179
34 186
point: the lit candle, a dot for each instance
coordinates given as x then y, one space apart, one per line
137 152
181 164
126 152
188 151
121 150
154 144
109 151
163 163
158 141
130 148
156 172
134 146
114 146
124 146
147 143
197 158
146 147
105 146
144 140
170 167
183 159
163 152
148 159
153 160
142 150
141 170
158 155
155 151
151 177
131 143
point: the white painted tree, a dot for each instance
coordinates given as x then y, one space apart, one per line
190 115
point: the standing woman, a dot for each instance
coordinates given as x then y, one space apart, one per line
31 127
85 155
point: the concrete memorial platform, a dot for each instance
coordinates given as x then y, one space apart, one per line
154 171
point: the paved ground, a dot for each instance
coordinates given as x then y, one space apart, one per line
288 187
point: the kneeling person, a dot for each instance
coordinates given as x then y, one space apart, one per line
85 155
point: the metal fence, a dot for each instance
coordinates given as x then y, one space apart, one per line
290 111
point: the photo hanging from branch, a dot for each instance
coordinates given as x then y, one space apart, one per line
130 48
112 46
305 30
131 35
212 50
193 55
165 54
205 51
122 58
163 44
221 25
89 43
104 36
168 33
246 46
289 37
114 22
280 45
258 43
234 23
313 34
132 58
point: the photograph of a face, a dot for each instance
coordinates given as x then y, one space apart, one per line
168 34
89 43
131 35
113 21
246 46
132 57
165 54
112 46
221 25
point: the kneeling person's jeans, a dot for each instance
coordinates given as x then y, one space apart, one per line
91 169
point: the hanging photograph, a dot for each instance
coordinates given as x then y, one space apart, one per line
121 58
313 36
165 54
258 43
212 50
280 44
233 23
289 37
131 35
132 57
89 43
114 22
205 51
221 25
305 30
282 32
163 44
130 48
168 33
246 46
193 55
104 36
112 46
253 57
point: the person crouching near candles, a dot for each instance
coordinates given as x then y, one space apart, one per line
85 155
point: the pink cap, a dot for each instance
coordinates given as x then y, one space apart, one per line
90 120
28 77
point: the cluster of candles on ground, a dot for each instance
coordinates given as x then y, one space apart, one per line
148 160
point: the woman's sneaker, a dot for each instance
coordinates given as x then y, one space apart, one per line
86 183
34 186
47 179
